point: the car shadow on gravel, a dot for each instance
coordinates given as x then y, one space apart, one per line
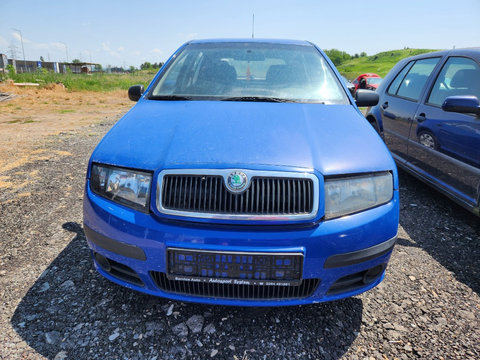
73 312
448 232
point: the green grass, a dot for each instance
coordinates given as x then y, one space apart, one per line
380 63
65 111
91 82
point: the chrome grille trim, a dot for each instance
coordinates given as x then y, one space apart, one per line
257 216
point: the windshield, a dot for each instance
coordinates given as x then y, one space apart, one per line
249 72
375 80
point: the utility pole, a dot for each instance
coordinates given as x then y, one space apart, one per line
23 50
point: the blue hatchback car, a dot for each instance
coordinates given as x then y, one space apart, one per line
244 175
429 115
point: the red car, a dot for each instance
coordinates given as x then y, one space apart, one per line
369 81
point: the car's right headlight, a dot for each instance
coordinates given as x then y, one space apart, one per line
347 195
127 187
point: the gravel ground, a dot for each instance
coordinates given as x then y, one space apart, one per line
55 306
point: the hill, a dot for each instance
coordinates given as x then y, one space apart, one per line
380 63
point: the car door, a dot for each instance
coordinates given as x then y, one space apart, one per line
445 146
400 103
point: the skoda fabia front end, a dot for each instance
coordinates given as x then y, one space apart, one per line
244 175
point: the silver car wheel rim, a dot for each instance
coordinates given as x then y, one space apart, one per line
427 140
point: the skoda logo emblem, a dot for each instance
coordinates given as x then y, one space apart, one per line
236 181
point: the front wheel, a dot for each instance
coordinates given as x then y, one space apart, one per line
427 139
374 124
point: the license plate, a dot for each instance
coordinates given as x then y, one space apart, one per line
235 268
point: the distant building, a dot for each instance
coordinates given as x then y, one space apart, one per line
21 66
3 63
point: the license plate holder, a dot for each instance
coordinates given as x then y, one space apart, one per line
235 268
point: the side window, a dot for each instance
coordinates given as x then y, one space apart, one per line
412 84
392 90
459 76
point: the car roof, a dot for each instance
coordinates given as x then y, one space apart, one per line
471 52
369 75
250 40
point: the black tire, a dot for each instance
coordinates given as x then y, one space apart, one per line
374 124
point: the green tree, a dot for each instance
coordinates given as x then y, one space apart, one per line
76 61
11 71
146 66
337 56
42 59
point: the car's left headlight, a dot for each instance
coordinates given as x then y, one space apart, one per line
348 195
128 187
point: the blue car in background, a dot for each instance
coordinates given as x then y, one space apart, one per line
429 116
244 175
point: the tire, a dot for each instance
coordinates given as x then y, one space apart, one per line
374 124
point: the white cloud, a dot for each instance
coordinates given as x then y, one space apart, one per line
48 46
106 47
137 53
17 36
156 51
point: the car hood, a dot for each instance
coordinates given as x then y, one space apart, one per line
332 139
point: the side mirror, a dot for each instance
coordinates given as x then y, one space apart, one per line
366 98
462 104
135 92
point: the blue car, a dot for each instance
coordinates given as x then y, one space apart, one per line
245 175
429 116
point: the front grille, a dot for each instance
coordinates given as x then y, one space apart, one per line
265 196
233 291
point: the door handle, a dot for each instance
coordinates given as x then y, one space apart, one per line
420 117
385 105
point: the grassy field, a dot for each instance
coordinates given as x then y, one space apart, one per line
380 63
90 82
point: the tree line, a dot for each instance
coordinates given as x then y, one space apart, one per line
338 56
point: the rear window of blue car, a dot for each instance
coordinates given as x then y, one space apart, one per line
250 71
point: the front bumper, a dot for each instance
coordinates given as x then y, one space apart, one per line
347 255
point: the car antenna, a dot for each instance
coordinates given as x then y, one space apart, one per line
253 25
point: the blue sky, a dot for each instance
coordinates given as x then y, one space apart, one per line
124 33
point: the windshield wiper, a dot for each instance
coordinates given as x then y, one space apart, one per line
257 99
170 97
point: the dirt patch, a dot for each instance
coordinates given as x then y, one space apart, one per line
34 113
